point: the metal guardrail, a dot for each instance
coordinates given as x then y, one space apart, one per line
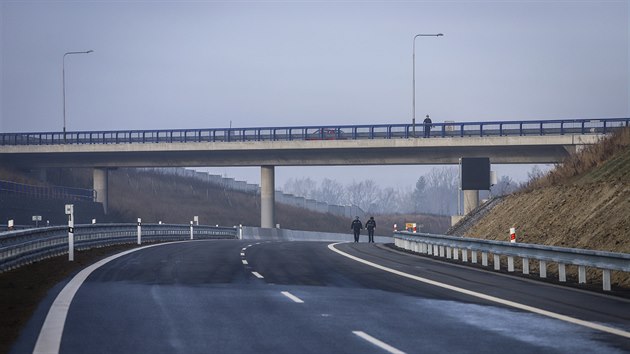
18 248
328 132
451 247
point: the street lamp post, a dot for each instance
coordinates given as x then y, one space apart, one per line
63 74
413 118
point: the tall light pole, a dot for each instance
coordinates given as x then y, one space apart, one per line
63 74
413 118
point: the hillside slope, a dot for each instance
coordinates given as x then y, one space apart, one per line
583 203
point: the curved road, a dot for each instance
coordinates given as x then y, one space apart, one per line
228 296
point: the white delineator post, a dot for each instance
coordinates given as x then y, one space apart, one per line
10 225
191 230
139 231
70 213
513 234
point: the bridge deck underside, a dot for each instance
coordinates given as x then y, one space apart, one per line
515 154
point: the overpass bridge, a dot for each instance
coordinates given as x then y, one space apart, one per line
504 142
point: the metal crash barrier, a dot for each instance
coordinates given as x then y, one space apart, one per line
456 248
18 248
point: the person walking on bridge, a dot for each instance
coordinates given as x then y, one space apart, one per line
370 225
356 227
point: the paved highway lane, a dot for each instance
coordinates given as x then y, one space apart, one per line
229 296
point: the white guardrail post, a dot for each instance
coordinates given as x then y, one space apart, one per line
449 247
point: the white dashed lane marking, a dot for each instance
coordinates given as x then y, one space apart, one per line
378 343
245 261
257 275
292 297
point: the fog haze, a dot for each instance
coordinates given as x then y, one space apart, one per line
212 64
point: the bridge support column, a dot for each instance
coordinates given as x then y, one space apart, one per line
471 201
267 196
100 183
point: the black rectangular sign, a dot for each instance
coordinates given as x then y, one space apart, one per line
475 173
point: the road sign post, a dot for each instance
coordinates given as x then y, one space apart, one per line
37 219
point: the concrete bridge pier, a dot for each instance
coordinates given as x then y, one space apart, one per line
267 196
471 200
100 182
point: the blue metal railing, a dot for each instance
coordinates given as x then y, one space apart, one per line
328 132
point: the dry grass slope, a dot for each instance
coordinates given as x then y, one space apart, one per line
583 203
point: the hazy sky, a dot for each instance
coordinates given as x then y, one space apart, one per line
204 64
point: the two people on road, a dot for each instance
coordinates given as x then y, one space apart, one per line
357 226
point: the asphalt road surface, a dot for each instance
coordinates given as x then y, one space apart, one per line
228 296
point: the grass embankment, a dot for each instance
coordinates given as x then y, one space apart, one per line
584 202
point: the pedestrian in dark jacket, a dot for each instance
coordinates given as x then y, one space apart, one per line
427 126
370 225
356 227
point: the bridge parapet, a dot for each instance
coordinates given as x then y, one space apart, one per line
328 132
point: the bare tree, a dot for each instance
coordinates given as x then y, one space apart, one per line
505 185
363 194
331 192
442 191
388 201
303 187
419 193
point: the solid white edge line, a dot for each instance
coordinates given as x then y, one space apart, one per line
257 275
292 297
517 305
378 343
49 339
245 262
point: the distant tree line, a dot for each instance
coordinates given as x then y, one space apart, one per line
433 193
